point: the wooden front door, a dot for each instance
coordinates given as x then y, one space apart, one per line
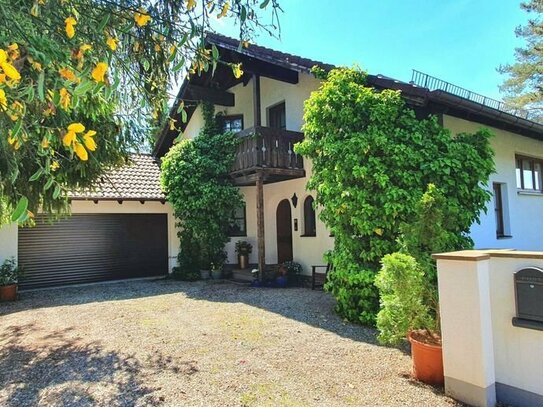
284 232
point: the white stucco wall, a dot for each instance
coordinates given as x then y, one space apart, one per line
8 242
480 344
524 211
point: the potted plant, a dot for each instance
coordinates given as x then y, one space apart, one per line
217 264
293 272
9 278
407 282
243 249
407 310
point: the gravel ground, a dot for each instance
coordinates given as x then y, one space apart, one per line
170 343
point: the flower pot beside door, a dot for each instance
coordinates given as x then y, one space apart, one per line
243 249
427 355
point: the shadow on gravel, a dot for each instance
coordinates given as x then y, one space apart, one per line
315 308
60 371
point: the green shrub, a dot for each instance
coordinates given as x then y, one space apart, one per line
10 272
357 299
402 286
196 179
372 160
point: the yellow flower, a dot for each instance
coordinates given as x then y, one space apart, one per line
378 231
80 151
191 4
13 141
172 123
76 127
224 10
136 46
157 48
65 98
237 71
99 72
68 138
36 65
89 140
34 10
13 51
67 73
85 47
54 165
16 110
70 24
10 71
142 18
45 142
112 43
2 77
3 100
245 44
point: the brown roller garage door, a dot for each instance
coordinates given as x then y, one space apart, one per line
93 247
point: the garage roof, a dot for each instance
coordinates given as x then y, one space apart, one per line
138 180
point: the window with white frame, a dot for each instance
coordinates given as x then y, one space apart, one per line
528 173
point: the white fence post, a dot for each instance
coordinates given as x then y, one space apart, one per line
466 325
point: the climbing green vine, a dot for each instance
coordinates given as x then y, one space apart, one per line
195 177
372 161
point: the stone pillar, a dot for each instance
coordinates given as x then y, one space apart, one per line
466 325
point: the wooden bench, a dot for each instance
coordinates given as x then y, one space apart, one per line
318 278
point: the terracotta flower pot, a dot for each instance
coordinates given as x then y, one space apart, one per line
8 292
427 361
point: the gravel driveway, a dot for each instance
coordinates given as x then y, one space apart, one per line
171 343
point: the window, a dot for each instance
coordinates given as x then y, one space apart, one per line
498 209
310 225
232 123
277 117
501 211
528 173
238 227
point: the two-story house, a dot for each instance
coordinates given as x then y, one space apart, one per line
125 228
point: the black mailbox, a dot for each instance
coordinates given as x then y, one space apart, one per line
529 298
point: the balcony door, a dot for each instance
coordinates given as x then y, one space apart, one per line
277 116
284 232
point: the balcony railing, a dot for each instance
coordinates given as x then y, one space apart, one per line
267 148
432 83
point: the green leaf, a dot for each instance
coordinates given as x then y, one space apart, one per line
56 192
36 175
179 65
214 52
184 115
48 184
41 86
264 4
83 88
243 14
146 64
17 128
103 22
20 214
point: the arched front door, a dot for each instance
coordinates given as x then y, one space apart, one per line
284 232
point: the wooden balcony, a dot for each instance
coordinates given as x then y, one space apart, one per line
267 152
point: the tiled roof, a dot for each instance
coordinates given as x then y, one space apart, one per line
267 54
139 179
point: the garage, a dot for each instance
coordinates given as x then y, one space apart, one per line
85 248
120 228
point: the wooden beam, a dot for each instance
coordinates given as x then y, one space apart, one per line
256 100
269 70
260 225
217 97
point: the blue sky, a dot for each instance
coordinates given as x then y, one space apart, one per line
460 41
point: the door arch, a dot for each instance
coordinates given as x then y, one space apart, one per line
284 232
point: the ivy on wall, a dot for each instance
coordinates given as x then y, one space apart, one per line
195 177
372 161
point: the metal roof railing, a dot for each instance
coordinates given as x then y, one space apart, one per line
432 83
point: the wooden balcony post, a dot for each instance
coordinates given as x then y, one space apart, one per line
260 224
256 100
